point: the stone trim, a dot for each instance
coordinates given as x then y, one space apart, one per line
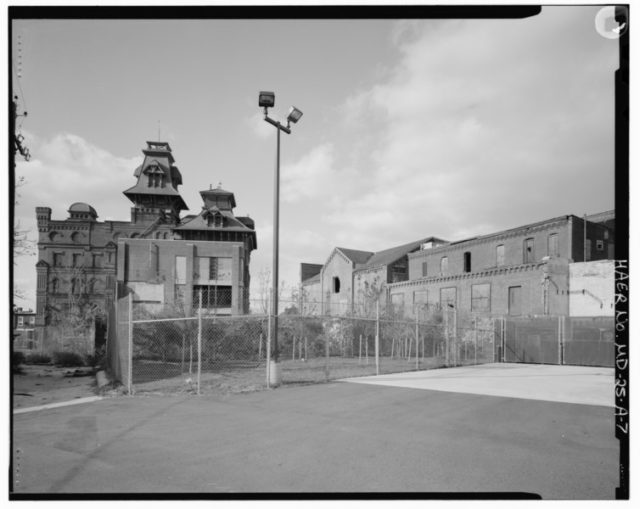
471 275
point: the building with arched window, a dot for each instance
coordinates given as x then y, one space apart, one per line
161 256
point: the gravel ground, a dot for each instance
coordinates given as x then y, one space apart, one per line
44 384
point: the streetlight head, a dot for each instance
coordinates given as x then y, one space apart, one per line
294 114
266 99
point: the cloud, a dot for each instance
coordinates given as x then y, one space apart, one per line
483 124
66 169
259 127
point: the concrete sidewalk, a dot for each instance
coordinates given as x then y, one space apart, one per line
563 384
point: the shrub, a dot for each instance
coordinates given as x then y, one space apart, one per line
67 359
97 359
38 358
17 358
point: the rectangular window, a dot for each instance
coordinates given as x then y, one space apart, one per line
397 301
420 300
57 259
213 297
95 260
600 245
444 265
20 321
500 255
213 268
529 254
181 270
77 259
553 249
515 300
467 262
447 297
424 269
481 297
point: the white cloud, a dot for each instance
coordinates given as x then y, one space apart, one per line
483 124
63 170
259 127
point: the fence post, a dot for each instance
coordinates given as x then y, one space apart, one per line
130 353
377 345
475 340
455 336
327 346
199 339
417 343
446 336
563 342
504 339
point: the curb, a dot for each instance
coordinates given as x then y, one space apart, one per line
79 401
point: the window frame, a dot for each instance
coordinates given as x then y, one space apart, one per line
444 265
529 255
476 299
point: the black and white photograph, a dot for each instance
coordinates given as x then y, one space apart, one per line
319 252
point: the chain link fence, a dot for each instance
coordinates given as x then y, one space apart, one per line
160 349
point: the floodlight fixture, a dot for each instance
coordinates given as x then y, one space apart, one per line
294 115
266 99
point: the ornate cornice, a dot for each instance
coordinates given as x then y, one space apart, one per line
500 271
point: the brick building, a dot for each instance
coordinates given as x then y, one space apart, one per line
527 270
520 271
85 264
23 325
350 280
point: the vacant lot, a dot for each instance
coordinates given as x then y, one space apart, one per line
43 384
327 438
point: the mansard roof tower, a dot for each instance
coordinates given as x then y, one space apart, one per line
155 196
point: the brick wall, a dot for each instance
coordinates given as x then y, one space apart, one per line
529 278
483 250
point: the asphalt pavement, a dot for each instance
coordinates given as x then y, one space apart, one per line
329 438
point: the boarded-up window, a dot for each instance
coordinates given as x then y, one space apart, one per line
447 297
553 248
420 299
515 300
181 270
481 297
397 301
500 255
424 269
529 254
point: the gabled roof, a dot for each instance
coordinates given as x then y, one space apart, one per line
357 257
393 254
312 279
200 222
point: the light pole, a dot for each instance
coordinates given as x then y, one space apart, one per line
267 100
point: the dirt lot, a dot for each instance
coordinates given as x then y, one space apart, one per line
44 384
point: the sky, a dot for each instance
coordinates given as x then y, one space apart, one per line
411 128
